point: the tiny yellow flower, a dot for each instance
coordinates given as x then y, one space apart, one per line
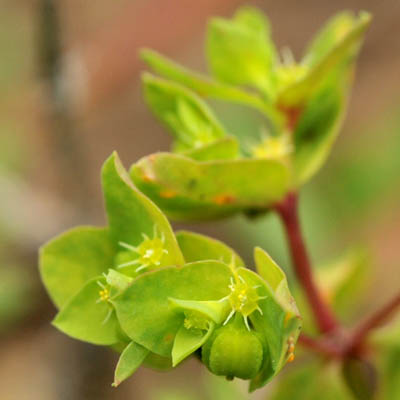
150 252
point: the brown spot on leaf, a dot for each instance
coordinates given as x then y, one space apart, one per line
224 199
169 337
167 194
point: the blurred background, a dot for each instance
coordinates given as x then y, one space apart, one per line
70 94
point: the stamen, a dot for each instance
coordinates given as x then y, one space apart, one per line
246 322
128 246
229 317
107 316
127 264
101 285
141 267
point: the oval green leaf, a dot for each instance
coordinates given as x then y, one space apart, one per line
187 189
182 111
129 361
87 318
197 247
131 214
144 310
68 261
239 50
226 148
207 87
187 341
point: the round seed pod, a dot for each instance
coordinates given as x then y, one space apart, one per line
234 351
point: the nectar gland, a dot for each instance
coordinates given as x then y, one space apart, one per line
243 298
150 252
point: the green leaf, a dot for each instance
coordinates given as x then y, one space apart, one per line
226 148
324 92
268 269
344 280
387 336
276 323
322 61
215 310
187 341
144 310
386 342
158 362
206 87
276 279
197 247
184 113
118 281
390 372
256 21
332 33
129 361
87 318
316 132
67 262
342 283
131 214
187 189
239 51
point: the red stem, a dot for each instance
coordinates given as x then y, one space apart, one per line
320 346
288 211
373 322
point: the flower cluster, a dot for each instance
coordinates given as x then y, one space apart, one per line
138 287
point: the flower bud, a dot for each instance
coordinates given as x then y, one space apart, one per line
234 351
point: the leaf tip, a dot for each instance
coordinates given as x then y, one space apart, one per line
116 383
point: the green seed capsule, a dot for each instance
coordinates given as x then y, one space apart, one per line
234 351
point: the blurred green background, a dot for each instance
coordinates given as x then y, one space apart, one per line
70 94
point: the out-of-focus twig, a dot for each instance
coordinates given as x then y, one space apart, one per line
72 170
64 135
373 322
321 346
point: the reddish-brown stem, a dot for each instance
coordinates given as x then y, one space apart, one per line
373 322
320 346
288 211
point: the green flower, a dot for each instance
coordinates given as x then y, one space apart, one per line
227 312
75 265
155 297
303 104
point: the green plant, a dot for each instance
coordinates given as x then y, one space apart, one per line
158 297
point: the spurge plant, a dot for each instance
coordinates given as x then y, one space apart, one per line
158 297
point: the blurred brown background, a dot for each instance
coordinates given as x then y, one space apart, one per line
70 94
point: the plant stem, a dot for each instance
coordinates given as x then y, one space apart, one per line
373 322
320 346
288 211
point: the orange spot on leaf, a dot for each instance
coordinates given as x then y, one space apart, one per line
224 199
147 178
167 194
168 338
287 318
